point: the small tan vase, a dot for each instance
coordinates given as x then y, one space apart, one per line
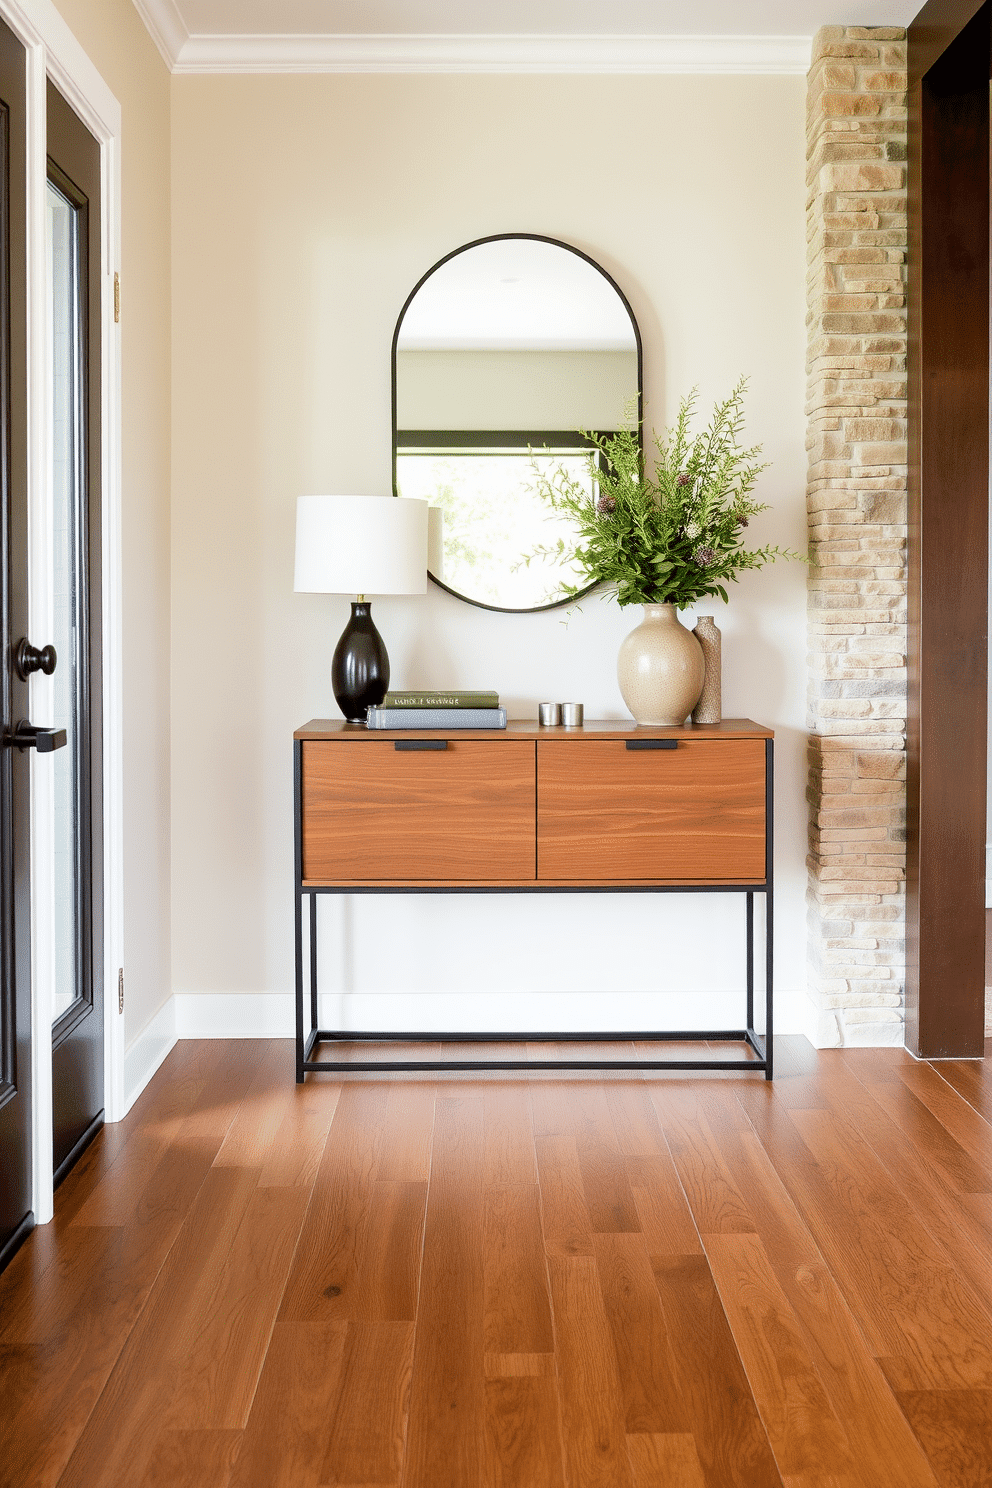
707 633
660 668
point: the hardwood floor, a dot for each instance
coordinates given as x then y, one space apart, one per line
514 1282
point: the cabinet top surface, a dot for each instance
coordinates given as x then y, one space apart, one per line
524 729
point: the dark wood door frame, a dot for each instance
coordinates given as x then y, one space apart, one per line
948 305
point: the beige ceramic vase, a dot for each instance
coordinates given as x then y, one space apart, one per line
660 668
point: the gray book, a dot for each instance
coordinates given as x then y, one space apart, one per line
437 718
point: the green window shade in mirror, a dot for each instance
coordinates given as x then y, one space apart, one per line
503 354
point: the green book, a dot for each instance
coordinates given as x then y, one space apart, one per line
441 700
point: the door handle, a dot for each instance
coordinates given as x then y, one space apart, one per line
419 744
28 659
652 743
27 736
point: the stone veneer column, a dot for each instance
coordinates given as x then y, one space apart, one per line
856 499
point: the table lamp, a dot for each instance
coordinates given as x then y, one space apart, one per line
360 545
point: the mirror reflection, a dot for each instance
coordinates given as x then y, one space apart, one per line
505 351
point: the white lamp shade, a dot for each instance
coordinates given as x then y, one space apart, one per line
361 545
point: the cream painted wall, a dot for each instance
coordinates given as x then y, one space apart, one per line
304 210
112 34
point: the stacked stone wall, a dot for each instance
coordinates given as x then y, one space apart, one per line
856 499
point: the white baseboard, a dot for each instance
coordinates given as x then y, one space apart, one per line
229 1015
271 1014
147 1051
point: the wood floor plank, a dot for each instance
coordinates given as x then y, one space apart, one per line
447 1425
369 1430
662 1208
592 1408
665 1461
635 1120
50 1383
293 1160
510 1155
523 1434
389 1255
324 1279
805 1435
730 1438
936 1177
405 1154
121 1433
858 1390
967 1126
924 1134
604 1173
185 1134
510 1366
716 1204
921 1312
565 1220
955 1430
289 1427
970 1078
651 1397
193 1459
517 1308
269 1095
222 1365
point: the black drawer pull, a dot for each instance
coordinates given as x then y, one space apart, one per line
419 744
652 743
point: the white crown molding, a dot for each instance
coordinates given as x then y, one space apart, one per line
467 53
166 28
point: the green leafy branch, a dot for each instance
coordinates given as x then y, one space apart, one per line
673 537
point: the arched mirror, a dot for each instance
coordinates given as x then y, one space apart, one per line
504 353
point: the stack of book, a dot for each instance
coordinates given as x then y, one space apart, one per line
438 710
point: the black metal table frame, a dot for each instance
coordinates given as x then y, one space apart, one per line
760 1045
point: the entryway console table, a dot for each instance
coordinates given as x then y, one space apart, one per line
604 807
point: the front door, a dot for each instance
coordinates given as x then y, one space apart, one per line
15 868
69 886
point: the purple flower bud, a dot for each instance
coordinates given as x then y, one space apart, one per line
704 557
606 505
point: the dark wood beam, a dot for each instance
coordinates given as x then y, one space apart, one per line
948 299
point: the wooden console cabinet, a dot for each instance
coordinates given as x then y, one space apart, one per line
605 807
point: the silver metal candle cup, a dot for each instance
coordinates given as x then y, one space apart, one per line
549 714
571 715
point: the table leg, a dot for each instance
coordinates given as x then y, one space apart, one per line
749 911
313 962
299 988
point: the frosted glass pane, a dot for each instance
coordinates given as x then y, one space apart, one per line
66 436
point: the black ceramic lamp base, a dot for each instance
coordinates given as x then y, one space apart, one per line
360 666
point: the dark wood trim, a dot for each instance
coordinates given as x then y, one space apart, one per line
948 298
938 24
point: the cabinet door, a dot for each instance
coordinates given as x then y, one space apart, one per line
693 813
374 813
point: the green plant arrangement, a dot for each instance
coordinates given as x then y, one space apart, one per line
668 538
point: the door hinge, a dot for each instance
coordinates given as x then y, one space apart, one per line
117 298
120 990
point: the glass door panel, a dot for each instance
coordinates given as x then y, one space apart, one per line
67 484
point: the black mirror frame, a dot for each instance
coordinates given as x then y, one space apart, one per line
570 248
